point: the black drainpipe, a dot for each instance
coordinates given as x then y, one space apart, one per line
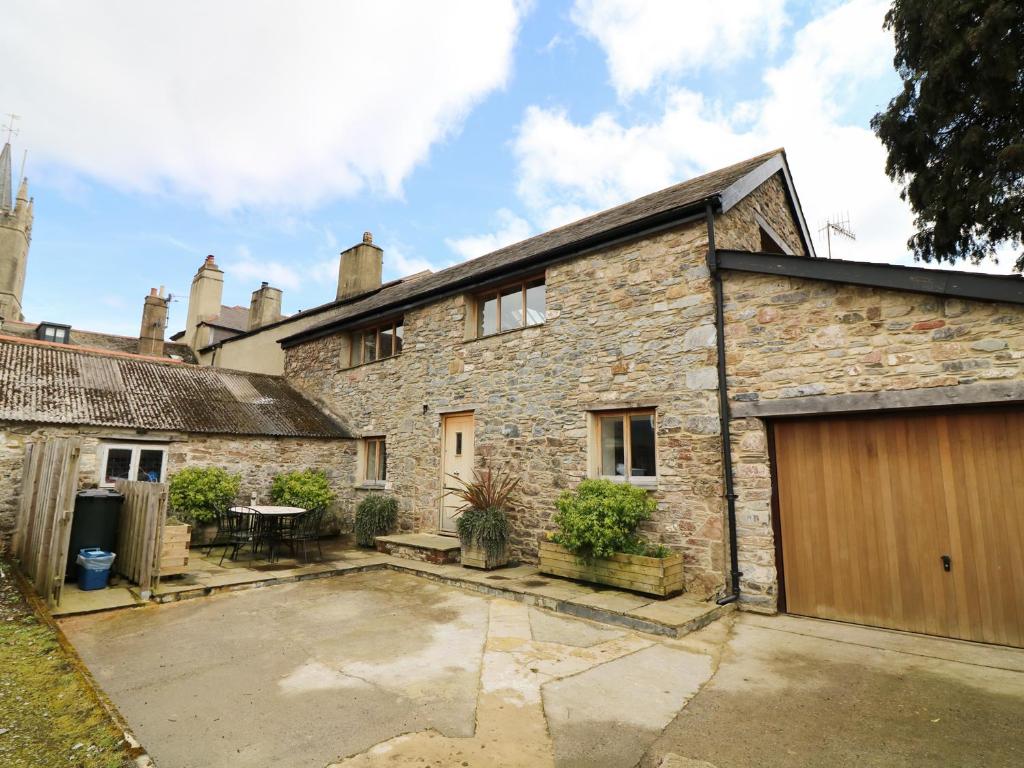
723 408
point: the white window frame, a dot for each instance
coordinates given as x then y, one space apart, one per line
133 469
594 417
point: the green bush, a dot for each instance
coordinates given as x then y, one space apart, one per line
485 528
308 489
600 518
197 494
376 515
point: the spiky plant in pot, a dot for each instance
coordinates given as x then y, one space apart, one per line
483 524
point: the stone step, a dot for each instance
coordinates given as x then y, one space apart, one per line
424 547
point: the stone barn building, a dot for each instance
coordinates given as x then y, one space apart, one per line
838 439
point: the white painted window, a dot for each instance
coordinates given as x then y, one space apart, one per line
131 461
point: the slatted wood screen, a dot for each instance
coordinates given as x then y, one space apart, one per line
868 507
42 529
140 532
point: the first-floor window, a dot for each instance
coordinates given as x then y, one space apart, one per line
376 454
121 461
626 445
377 343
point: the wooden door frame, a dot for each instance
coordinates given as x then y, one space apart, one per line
773 478
444 427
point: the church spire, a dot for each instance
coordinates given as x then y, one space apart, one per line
6 198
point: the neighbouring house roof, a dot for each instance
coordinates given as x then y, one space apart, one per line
941 282
43 382
725 187
231 318
95 340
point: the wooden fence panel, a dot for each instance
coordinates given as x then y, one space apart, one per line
49 481
140 535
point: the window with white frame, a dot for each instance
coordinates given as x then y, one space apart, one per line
624 446
131 461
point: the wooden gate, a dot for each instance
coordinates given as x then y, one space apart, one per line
140 533
42 530
912 521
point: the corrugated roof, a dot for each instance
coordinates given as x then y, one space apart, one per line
676 198
41 382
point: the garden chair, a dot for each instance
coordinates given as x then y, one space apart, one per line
242 530
222 537
305 530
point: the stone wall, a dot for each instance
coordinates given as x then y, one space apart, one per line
789 338
256 459
627 326
739 230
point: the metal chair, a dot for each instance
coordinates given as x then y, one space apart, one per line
222 537
242 530
304 529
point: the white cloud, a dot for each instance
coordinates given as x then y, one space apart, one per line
645 39
511 229
249 103
246 268
567 169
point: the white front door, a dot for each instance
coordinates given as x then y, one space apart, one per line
457 461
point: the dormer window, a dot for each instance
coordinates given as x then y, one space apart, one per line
55 332
376 342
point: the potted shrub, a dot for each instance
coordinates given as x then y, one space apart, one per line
174 551
483 520
198 494
308 489
597 540
376 515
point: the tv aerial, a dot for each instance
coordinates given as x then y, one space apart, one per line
839 225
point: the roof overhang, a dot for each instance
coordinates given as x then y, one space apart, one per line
1008 289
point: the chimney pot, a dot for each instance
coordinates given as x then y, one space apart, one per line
368 238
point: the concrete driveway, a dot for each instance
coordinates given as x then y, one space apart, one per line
388 669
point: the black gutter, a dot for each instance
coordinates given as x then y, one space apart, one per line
940 282
723 408
609 238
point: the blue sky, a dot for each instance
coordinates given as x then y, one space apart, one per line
273 142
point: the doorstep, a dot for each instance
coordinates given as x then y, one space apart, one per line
423 547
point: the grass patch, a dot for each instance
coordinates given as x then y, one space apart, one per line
49 715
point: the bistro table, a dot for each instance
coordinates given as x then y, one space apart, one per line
269 524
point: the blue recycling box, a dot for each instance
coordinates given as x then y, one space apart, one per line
94 568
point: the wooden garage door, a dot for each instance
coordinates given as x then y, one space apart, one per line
869 507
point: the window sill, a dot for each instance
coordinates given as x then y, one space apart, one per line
504 333
373 486
372 362
647 483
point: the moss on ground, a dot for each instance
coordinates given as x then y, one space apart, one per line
49 714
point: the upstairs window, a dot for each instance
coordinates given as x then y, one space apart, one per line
60 334
377 342
512 306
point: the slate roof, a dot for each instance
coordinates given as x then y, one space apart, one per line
42 382
234 318
678 198
108 341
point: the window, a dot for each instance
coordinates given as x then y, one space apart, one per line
375 464
512 306
53 332
119 461
626 446
376 343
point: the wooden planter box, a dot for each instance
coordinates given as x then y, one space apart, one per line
474 556
174 554
660 576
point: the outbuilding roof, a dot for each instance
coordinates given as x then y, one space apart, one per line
42 382
726 185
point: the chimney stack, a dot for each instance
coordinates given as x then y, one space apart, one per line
265 306
154 321
360 268
203 300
